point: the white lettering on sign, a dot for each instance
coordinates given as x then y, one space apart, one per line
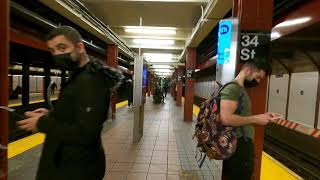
247 53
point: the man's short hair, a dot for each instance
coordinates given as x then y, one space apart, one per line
69 32
259 65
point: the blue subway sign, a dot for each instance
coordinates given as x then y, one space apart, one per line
224 42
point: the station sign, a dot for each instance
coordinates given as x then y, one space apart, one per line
145 76
254 46
189 73
224 42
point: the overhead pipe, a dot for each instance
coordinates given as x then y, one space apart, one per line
203 18
82 11
123 62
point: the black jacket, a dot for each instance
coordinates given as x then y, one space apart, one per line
72 148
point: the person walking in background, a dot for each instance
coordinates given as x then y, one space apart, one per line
53 87
129 89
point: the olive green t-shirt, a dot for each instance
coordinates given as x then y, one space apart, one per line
232 92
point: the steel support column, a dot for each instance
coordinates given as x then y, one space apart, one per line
25 84
256 15
46 83
11 84
179 86
173 84
112 61
63 77
4 62
149 84
190 81
152 84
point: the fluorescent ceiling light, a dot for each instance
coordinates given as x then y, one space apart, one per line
275 35
167 47
294 22
164 74
159 57
163 70
162 66
150 30
153 42
162 61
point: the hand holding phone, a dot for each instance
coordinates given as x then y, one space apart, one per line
275 117
13 112
37 112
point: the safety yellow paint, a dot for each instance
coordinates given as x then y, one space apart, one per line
196 110
32 102
270 168
17 147
121 104
273 169
24 144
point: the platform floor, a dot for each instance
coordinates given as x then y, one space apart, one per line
165 152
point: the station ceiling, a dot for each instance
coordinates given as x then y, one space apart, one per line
166 24
297 52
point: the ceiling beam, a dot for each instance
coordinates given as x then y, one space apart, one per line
166 63
182 1
161 67
156 47
163 63
179 38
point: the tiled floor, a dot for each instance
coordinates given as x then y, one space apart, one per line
165 152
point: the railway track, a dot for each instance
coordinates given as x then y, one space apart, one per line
299 162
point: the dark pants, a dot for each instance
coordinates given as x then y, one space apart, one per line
240 165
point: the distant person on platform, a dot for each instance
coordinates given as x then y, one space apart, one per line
165 88
73 148
53 87
15 93
129 89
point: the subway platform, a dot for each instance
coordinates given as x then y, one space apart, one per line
165 152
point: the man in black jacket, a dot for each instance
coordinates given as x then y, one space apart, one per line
73 148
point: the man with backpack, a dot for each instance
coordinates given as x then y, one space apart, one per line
233 95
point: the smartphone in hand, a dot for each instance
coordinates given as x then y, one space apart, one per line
276 117
13 113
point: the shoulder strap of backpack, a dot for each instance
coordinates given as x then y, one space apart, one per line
240 106
240 101
232 82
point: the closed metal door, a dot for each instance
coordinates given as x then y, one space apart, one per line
278 94
303 96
